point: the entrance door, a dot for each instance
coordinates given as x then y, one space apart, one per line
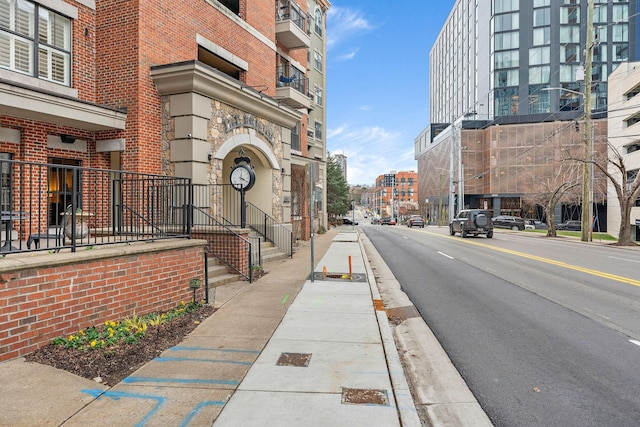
61 187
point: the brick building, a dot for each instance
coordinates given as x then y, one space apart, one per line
396 194
176 88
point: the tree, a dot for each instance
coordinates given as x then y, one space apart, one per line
338 202
548 192
627 186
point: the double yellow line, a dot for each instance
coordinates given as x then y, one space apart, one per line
597 273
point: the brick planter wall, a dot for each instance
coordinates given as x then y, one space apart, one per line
50 295
226 245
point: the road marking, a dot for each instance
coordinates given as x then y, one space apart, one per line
590 271
635 342
404 237
445 255
623 259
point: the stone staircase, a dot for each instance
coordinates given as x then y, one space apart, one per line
220 274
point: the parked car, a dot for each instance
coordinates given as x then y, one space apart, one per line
375 220
537 224
388 221
415 221
572 225
472 222
349 221
514 223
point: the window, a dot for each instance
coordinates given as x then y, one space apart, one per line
570 15
318 130
5 182
632 93
538 99
317 95
620 13
620 52
539 55
506 78
568 73
506 41
507 59
541 17
569 53
620 33
295 137
317 60
570 34
501 6
630 148
541 36
632 120
506 22
37 47
539 3
232 5
318 22
506 101
539 75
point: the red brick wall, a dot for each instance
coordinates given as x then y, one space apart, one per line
227 246
48 301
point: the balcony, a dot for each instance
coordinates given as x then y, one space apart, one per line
292 26
292 88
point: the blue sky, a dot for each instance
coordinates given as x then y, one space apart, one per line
378 81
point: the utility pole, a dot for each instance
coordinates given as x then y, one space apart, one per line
587 191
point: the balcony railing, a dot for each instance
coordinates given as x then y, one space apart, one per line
288 10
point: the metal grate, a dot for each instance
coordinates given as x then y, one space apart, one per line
294 359
363 396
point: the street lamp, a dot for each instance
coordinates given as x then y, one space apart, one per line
587 170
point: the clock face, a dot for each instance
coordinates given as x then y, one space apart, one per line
242 177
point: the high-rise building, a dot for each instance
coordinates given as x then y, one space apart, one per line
508 75
341 160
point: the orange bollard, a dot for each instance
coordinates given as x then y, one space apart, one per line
324 271
350 269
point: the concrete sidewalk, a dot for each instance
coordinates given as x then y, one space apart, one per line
282 351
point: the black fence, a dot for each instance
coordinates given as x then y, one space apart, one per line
48 207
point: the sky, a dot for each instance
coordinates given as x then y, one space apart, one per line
378 81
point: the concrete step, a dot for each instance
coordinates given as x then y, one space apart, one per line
223 279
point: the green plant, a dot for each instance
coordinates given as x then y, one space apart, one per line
321 229
128 330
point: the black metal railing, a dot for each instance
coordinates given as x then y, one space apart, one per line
55 206
288 10
209 228
272 230
289 76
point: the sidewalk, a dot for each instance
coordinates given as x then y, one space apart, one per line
283 351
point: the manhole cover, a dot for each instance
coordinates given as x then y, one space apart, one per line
294 359
364 396
340 277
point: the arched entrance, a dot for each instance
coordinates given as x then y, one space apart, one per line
266 194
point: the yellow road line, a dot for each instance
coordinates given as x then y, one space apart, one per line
602 274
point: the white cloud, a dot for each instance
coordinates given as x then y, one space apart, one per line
348 56
344 23
371 151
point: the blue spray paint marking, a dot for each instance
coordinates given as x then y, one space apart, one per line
186 359
117 395
224 350
197 409
132 380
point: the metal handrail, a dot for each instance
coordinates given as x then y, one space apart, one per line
254 250
271 229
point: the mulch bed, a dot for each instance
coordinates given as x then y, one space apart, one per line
111 365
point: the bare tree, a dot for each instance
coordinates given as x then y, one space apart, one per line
559 187
627 186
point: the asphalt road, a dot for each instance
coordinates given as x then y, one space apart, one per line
545 332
